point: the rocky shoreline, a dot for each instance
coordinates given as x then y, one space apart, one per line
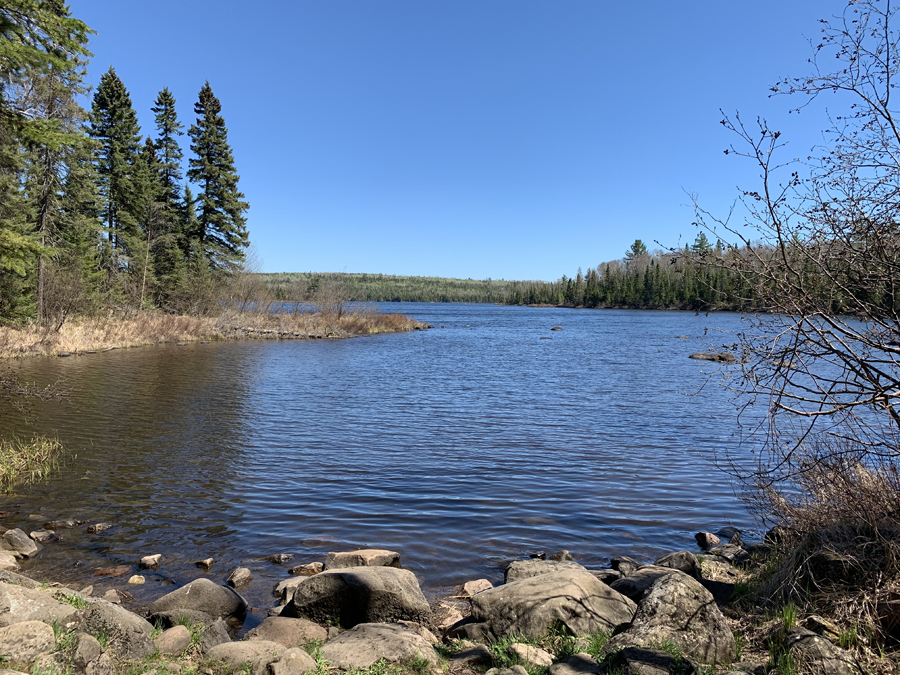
361 611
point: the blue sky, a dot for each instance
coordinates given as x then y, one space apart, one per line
514 139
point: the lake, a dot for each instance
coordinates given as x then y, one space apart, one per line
485 439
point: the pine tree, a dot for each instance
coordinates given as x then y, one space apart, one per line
221 225
115 127
168 150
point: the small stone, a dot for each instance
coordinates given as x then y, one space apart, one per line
625 565
204 564
173 641
61 524
294 661
285 589
556 328
87 648
823 627
87 590
607 576
137 580
279 558
98 527
116 571
470 588
707 540
151 562
112 595
472 655
19 543
561 555
577 664
43 536
240 577
531 655
308 569
8 561
63 354
367 557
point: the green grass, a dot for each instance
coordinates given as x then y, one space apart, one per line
23 462
77 601
849 638
788 616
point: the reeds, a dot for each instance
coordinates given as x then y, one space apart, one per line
114 331
23 462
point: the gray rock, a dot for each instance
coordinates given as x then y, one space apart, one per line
684 561
818 655
636 584
293 662
707 540
530 655
473 656
96 528
285 589
822 626
288 632
359 595
721 590
8 561
151 562
532 607
214 634
470 588
112 595
87 649
205 564
203 595
718 357
677 608
61 524
9 577
307 569
526 569
366 643
279 558
19 543
577 664
102 665
561 556
258 654
19 604
240 577
624 564
367 557
129 634
607 576
175 617
43 536
25 641
649 661
174 641
733 553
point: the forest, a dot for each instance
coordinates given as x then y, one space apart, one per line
96 214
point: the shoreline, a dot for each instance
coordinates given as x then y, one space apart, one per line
100 334
322 618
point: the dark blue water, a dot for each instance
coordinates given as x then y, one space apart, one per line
461 447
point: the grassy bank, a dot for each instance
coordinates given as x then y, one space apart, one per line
143 328
23 462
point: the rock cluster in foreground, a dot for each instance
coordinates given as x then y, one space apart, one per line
359 608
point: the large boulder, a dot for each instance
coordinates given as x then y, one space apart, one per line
288 632
367 557
175 617
19 604
359 595
366 643
294 661
25 641
526 569
129 635
532 607
205 596
636 584
677 608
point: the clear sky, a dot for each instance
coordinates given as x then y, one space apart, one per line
514 139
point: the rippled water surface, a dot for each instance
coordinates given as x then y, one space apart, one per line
462 447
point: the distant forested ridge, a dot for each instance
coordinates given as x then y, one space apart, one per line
693 277
95 214
309 286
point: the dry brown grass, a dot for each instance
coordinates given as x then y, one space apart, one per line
143 328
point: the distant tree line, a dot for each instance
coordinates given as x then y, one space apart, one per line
692 277
313 287
93 215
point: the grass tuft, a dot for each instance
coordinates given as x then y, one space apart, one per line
23 462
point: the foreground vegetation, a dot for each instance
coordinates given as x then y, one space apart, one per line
23 462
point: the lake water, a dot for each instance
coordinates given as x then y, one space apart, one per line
461 447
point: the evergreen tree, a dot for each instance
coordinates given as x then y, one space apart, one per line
221 225
168 150
115 127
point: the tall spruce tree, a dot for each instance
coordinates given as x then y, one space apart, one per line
114 126
168 151
221 225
